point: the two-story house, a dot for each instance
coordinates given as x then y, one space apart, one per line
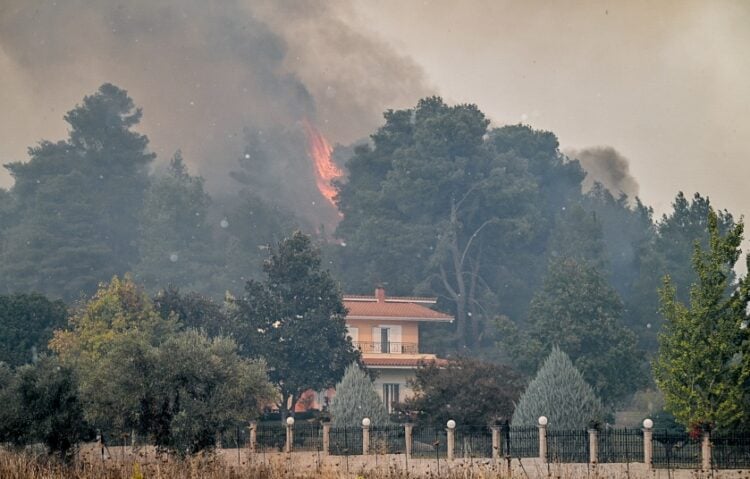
386 331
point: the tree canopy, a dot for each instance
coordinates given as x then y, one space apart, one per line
356 399
703 365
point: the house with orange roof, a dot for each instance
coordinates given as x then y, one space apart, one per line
386 331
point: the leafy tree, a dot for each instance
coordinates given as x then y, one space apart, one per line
295 320
579 312
435 204
559 392
466 390
703 366
175 238
26 325
41 403
356 399
193 310
77 201
111 345
204 387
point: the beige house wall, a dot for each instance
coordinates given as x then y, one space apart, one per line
409 329
394 376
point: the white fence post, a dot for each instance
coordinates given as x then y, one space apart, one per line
543 438
648 443
451 435
253 430
408 431
706 451
326 438
593 446
366 436
289 434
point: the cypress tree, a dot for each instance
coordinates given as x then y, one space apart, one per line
559 392
356 399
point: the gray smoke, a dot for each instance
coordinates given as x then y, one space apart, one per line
607 166
204 72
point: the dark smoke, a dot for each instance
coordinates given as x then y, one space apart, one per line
207 72
607 166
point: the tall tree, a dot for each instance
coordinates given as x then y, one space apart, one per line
559 392
77 201
295 320
175 237
26 325
440 203
579 312
703 366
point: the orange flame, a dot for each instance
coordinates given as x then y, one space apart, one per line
325 170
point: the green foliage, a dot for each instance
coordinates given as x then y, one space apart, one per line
41 403
76 202
193 311
579 312
443 205
466 390
356 399
703 366
26 325
560 393
295 320
175 238
137 372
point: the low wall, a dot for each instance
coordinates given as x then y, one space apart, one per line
354 465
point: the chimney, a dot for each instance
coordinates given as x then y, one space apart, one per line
380 294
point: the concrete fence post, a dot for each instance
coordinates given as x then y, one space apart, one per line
706 451
289 434
218 440
253 436
408 432
326 438
495 443
366 436
593 446
648 443
542 438
451 436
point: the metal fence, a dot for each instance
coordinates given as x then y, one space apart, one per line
345 441
568 445
620 445
388 439
473 441
270 436
429 442
731 450
676 450
307 437
520 441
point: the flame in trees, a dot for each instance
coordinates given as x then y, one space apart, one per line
325 169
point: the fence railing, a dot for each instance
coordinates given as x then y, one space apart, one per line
658 448
387 347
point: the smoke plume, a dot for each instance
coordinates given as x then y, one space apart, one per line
607 166
209 75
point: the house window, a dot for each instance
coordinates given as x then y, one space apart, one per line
386 339
390 396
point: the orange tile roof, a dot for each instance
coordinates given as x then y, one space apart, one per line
380 306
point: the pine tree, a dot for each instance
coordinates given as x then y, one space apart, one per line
703 366
560 393
356 399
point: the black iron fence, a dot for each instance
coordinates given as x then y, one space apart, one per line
676 450
520 441
388 347
567 445
388 439
429 442
731 450
270 436
345 441
620 445
307 437
473 441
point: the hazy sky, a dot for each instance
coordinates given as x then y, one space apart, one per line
663 83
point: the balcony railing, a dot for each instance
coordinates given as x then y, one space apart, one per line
389 347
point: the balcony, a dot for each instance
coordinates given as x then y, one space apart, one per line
387 348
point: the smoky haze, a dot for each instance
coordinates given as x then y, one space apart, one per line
605 165
209 76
